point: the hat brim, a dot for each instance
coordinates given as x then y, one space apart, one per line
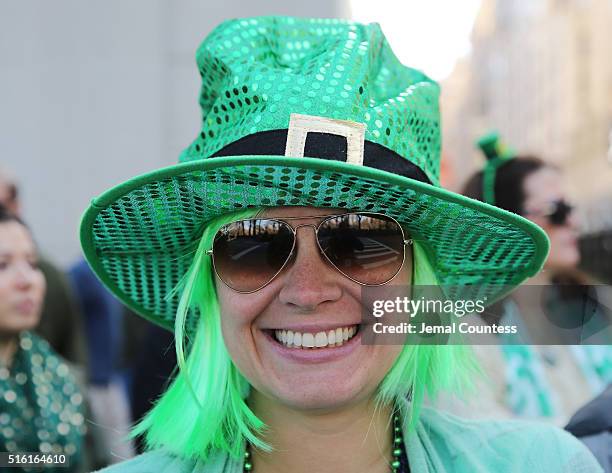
139 237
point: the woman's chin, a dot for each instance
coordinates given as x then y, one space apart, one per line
20 323
326 387
564 261
320 396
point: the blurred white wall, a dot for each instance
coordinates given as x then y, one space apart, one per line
93 93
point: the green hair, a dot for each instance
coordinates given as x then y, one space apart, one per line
204 409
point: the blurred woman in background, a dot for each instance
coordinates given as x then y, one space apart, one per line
542 381
40 404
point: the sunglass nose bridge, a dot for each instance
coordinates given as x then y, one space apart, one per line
314 232
314 227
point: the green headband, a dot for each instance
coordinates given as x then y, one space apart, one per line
497 154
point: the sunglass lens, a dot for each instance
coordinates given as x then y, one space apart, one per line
368 249
249 253
561 213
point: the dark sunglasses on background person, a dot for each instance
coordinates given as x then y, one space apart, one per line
557 213
368 248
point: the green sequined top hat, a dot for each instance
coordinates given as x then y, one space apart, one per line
497 153
276 89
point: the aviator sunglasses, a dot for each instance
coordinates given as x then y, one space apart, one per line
368 248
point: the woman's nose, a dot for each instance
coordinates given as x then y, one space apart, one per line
23 275
573 219
309 281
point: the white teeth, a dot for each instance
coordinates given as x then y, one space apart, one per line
307 340
330 338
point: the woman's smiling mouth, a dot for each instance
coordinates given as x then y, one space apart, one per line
323 339
314 345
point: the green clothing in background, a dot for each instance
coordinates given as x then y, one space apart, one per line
440 443
41 405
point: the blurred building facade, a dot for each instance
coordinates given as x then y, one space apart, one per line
540 72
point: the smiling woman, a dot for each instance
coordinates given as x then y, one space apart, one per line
315 175
314 304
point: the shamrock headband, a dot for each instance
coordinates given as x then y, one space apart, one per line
497 154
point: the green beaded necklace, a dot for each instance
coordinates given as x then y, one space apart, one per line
398 448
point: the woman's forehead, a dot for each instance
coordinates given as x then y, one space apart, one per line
293 211
15 239
544 185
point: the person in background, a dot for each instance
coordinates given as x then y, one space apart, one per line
60 322
593 425
538 381
107 394
148 361
151 368
41 407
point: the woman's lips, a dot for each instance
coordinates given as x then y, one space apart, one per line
25 307
311 355
319 339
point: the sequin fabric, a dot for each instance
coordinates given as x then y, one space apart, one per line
41 407
257 71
